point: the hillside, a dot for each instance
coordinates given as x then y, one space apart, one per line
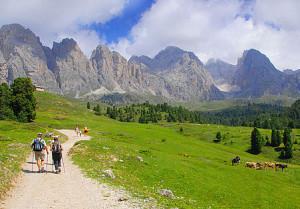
195 169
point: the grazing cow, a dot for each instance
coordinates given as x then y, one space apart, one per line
251 165
282 166
269 165
260 166
236 160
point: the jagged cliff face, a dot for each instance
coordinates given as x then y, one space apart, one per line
23 56
3 69
183 74
222 74
73 71
114 72
173 74
256 75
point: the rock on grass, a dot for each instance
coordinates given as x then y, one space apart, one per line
109 173
167 193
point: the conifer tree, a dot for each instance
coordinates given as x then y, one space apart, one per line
256 141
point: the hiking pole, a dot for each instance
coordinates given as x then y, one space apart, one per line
62 160
32 161
52 166
47 164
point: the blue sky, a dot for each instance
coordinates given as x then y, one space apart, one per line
120 26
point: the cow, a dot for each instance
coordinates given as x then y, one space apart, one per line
251 165
269 165
282 166
260 166
236 160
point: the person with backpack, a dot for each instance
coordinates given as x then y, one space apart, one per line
39 147
56 149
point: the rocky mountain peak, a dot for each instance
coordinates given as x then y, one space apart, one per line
256 75
166 59
254 60
65 47
15 35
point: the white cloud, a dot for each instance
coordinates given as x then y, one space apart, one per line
216 28
53 19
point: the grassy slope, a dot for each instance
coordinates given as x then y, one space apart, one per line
195 169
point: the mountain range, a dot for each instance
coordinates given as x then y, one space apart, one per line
173 74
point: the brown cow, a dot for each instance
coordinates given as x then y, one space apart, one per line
269 165
251 165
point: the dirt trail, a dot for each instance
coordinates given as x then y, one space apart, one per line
69 190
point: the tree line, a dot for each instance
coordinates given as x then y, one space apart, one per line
265 116
17 102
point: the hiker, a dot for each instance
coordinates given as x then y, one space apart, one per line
39 147
85 130
77 130
56 149
80 133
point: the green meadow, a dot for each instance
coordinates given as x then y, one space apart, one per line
197 170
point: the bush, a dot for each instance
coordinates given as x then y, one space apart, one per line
218 137
181 130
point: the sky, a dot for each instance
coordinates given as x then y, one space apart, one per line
210 28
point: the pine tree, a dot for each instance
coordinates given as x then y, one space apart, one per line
286 136
278 138
88 105
6 111
268 143
23 100
219 136
273 138
97 109
256 141
288 150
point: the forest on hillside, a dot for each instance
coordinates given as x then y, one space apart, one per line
268 116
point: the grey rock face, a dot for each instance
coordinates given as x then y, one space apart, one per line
173 73
73 71
115 73
184 75
25 57
256 76
222 73
3 69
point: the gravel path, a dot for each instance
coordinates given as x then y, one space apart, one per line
69 190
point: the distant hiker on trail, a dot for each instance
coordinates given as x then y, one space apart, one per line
56 149
85 130
77 130
80 133
39 147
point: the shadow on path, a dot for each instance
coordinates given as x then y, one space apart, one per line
30 171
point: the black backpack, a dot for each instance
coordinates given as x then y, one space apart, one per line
38 145
56 147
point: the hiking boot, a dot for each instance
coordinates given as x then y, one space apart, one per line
59 170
